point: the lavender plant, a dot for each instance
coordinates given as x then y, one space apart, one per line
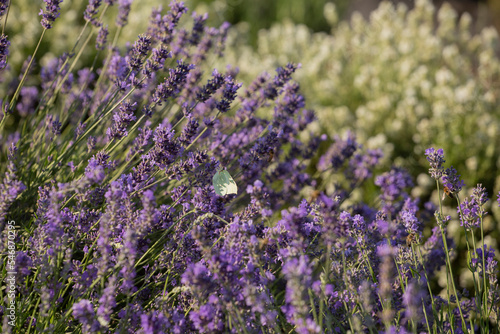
152 193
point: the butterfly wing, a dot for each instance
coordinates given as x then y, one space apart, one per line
218 183
230 185
224 183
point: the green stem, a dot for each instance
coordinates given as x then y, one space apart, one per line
445 244
12 103
201 133
473 255
344 272
485 286
414 256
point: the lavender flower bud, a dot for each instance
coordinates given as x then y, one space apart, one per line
436 160
84 313
4 50
412 299
198 27
100 42
51 12
386 253
451 180
171 86
189 131
229 94
28 102
123 11
91 142
141 49
3 7
479 194
157 61
56 127
121 120
117 71
471 212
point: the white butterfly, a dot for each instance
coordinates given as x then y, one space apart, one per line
224 183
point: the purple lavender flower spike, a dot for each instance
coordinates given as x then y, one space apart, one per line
207 319
189 131
436 160
3 7
157 60
121 120
117 71
28 101
84 313
4 50
479 194
412 300
211 87
228 95
339 152
51 12
141 49
298 273
166 147
170 21
386 274
393 184
100 42
10 188
91 11
123 11
411 223
56 127
171 86
127 260
451 180
198 27
471 209
107 302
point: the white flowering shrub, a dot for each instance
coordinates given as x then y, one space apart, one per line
404 80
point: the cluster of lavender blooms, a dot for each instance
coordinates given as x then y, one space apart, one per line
108 177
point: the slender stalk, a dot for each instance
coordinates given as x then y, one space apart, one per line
61 83
13 101
108 58
448 262
201 133
479 291
485 286
42 100
344 271
473 254
6 16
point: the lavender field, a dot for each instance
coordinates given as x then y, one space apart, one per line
161 175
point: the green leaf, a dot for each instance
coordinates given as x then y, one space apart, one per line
224 183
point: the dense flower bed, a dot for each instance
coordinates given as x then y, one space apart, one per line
403 80
152 193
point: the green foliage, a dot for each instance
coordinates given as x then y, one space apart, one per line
262 14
